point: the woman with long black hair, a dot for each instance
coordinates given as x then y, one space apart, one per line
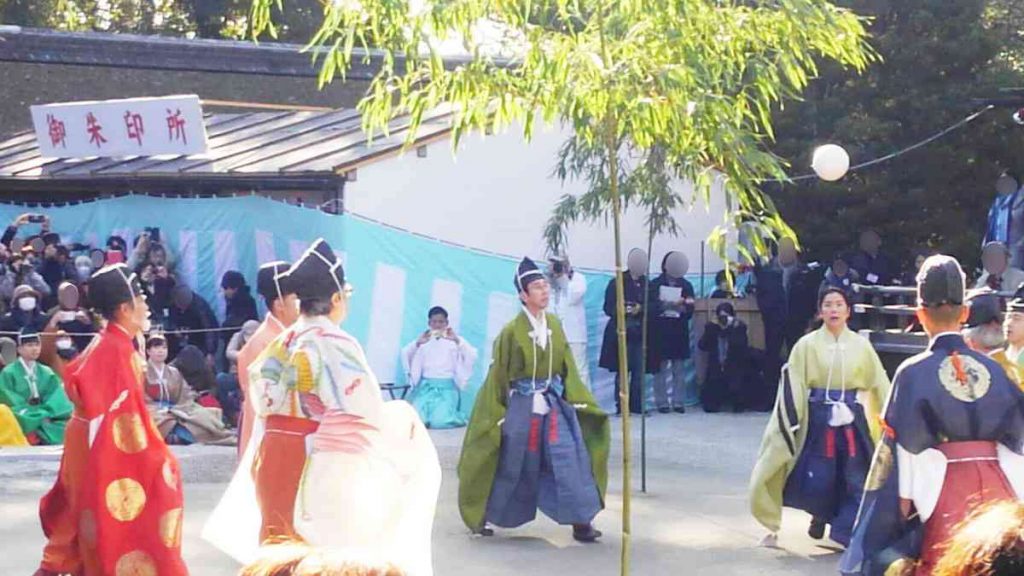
817 448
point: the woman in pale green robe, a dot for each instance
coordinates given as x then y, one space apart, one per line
825 367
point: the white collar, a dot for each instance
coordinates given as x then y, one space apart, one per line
29 369
540 331
273 320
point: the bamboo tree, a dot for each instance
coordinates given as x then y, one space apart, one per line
648 187
699 77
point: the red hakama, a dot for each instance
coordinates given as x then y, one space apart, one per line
973 478
277 471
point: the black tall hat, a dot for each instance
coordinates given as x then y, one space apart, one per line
112 286
28 334
940 281
316 274
269 283
527 272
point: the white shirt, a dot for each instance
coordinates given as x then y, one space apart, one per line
440 358
567 299
1012 279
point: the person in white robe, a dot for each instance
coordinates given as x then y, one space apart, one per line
370 475
438 366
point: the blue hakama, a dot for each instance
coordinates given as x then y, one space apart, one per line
437 401
543 462
828 478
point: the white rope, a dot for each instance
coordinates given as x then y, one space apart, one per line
970 118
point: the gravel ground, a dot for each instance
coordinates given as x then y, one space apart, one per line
693 518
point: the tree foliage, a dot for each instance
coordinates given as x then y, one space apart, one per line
695 78
937 55
191 18
698 77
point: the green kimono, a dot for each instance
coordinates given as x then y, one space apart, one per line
854 367
513 359
37 400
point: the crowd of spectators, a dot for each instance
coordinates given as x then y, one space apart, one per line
785 286
44 288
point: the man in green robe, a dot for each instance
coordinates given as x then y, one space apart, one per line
35 393
536 437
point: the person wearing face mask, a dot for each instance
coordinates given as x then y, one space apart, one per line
670 335
25 312
171 402
83 269
371 478
35 394
117 500
818 444
634 281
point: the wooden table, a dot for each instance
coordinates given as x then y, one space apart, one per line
746 310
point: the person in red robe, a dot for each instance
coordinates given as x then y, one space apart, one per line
116 507
283 311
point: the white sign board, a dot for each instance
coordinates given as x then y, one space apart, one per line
130 127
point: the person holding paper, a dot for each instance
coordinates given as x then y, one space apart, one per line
438 365
670 335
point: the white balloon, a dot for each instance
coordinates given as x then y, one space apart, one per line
830 162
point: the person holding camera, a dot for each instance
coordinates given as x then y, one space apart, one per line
438 366
54 267
568 289
634 281
69 318
725 340
25 219
150 250
21 271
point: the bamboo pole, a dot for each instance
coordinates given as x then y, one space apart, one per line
620 320
643 361
611 143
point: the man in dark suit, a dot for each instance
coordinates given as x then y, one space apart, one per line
786 290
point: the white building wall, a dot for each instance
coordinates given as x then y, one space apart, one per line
497 194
